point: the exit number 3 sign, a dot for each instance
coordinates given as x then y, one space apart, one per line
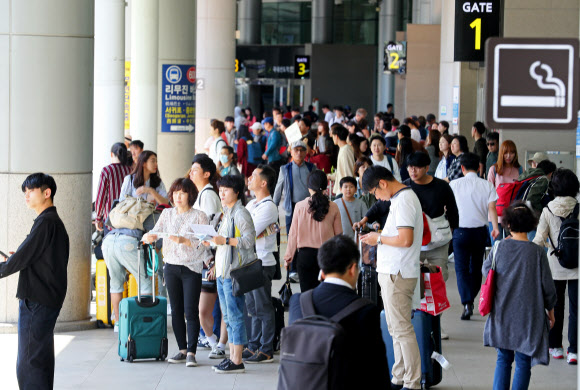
475 21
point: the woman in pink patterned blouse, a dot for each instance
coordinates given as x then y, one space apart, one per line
183 256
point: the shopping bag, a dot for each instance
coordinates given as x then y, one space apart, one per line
435 300
488 288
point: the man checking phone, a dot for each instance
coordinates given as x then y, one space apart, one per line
42 260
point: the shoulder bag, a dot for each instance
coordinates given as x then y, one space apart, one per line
488 288
248 277
131 213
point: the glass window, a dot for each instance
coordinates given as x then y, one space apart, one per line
286 23
355 23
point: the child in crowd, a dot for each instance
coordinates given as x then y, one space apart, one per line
351 209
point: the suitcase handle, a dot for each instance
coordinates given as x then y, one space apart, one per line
139 247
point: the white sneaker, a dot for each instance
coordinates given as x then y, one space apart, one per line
451 258
217 353
572 358
116 327
444 336
557 353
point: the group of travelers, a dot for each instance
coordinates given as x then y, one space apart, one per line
343 174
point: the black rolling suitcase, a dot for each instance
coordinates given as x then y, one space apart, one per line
368 283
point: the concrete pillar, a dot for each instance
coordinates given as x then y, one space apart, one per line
144 71
215 54
249 22
46 119
387 33
108 120
322 21
177 28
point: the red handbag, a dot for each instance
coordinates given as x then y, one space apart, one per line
488 288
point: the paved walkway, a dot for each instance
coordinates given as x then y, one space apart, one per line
88 360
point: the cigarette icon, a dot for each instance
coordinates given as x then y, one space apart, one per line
553 83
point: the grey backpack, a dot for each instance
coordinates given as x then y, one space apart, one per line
312 349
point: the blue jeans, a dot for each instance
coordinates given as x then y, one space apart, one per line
503 370
232 312
35 363
469 249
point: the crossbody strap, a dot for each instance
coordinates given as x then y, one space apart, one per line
347 213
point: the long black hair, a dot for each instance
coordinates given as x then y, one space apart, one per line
119 150
319 203
139 175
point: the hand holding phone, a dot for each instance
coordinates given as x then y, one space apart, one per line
4 255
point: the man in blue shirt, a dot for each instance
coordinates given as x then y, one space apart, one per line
272 153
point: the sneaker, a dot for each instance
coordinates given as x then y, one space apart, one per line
247 353
191 362
230 368
217 353
116 327
451 258
557 353
203 344
572 358
178 358
259 357
444 336
220 364
294 277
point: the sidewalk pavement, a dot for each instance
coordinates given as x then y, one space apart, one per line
89 360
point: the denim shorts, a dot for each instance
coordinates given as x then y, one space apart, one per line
120 253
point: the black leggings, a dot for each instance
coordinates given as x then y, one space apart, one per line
307 267
184 289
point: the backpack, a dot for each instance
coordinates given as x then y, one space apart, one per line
567 250
312 354
255 151
517 190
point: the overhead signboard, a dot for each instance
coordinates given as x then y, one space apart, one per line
302 67
532 83
178 98
475 22
395 57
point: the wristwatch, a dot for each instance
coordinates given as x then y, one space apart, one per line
227 241
379 240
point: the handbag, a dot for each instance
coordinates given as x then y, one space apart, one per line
131 213
205 282
488 288
247 277
439 229
286 293
433 292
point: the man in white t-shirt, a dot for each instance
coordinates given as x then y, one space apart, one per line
399 249
475 199
259 301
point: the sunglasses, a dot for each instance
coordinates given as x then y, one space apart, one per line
491 144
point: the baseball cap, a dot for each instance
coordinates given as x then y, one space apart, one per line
256 126
299 144
269 120
538 156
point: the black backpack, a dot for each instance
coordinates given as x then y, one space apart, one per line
312 354
567 249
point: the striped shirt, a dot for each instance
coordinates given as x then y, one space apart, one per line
110 183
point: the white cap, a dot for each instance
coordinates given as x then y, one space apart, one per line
256 126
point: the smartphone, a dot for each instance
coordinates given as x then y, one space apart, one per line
4 254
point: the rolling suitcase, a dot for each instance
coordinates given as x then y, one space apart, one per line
103 295
143 325
428 332
279 321
368 283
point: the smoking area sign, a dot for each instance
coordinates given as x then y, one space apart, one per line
178 98
532 83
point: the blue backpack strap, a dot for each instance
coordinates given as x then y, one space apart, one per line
310 166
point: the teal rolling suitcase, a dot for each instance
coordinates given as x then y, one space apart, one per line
143 324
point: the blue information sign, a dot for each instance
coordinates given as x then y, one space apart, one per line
178 98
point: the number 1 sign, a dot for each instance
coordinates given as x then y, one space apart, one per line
475 21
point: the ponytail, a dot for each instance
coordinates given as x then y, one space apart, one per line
119 150
318 206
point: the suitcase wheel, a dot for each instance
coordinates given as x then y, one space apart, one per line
130 359
122 359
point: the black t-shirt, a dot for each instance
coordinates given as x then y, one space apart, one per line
436 198
481 150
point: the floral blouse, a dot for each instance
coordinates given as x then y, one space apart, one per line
179 224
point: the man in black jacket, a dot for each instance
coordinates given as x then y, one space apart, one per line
338 260
42 260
